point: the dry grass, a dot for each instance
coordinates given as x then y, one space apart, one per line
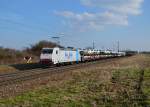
6 69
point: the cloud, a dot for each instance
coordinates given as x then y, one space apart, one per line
121 6
86 21
115 12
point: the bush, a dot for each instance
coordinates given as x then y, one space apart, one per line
10 56
36 49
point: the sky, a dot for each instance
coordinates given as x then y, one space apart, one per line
78 23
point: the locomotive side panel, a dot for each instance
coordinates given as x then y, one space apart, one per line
63 56
68 56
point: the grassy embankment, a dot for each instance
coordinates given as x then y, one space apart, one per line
122 83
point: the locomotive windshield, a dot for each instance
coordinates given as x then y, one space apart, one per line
47 51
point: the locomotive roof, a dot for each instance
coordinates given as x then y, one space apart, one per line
47 48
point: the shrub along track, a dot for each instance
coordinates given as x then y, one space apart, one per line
20 76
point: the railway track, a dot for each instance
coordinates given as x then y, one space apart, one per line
16 77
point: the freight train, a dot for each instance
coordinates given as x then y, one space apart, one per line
58 56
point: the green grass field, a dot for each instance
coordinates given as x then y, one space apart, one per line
93 87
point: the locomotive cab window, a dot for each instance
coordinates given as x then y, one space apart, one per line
47 51
56 52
